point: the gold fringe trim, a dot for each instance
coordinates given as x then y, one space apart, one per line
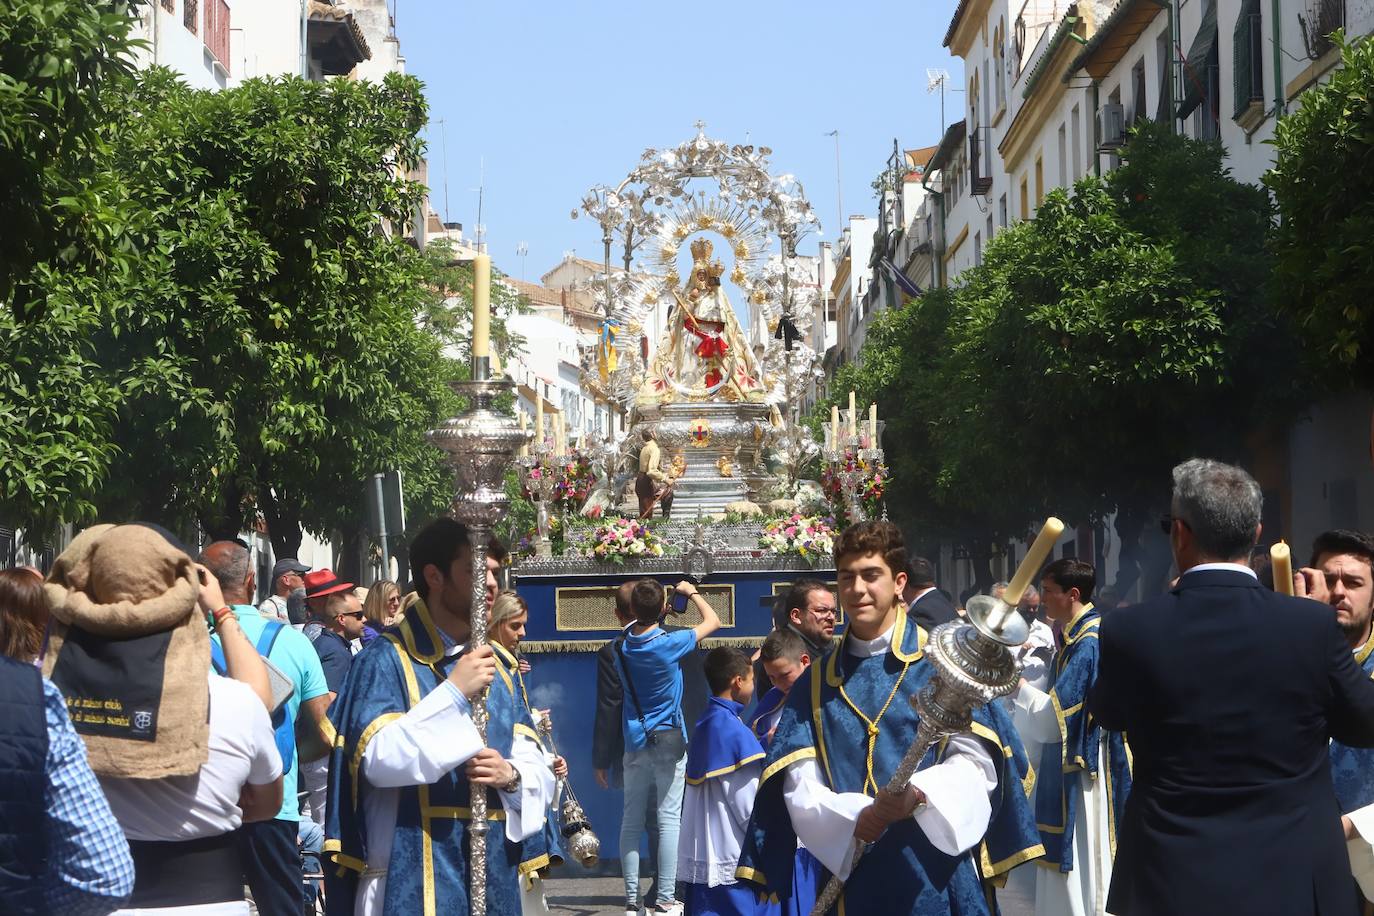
543 646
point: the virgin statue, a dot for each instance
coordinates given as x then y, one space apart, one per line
703 354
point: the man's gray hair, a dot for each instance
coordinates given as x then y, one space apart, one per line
1221 504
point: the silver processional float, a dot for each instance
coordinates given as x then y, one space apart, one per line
973 665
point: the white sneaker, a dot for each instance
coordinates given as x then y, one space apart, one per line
668 909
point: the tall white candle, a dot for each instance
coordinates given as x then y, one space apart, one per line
481 305
1282 559
1039 549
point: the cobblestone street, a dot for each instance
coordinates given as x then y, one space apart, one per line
601 896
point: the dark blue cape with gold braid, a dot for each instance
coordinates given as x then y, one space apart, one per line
1062 765
1352 768
428 868
903 873
761 720
543 849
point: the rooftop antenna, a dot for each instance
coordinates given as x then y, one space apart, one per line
936 78
443 140
520 251
839 196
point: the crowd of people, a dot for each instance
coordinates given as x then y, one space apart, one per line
1206 750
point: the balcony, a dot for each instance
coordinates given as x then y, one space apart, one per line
1321 18
980 179
216 32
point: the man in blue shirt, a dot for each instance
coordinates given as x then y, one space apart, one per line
271 858
336 618
655 731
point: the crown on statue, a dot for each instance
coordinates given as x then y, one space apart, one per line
701 250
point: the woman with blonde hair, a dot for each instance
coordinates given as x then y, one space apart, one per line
505 629
381 609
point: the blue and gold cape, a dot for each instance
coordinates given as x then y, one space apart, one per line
543 849
721 743
1058 791
826 719
1352 768
428 868
766 713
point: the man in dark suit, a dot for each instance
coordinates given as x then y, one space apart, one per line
926 604
1229 695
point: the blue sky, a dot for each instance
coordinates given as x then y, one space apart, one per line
558 95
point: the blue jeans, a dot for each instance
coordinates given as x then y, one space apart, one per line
661 768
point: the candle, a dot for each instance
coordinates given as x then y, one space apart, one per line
1282 559
481 306
1039 550
524 445
835 427
539 418
872 425
853 416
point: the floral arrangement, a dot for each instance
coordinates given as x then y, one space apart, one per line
803 535
872 484
576 478
622 538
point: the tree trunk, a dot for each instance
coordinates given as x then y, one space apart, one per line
283 524
224 520
1130 524
348 566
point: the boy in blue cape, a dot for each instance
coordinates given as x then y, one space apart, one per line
1342 575
399 789
964 816
784 657
724 761
1085 773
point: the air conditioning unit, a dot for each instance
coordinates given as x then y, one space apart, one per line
1111 126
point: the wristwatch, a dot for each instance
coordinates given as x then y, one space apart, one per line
513 786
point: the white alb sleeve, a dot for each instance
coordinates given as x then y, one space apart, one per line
822 818
1361 849
431 739
527 807
1033 715
957 788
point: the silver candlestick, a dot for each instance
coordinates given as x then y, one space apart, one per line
479 446
973 666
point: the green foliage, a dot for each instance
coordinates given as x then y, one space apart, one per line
1323 183
64 239
268 342
59 61
1097 345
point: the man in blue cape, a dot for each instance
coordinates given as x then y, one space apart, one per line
1342 575
1085 775
406 750
964 817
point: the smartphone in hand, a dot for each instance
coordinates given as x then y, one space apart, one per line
679 602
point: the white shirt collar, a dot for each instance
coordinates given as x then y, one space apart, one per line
921 594
1224 567
867 648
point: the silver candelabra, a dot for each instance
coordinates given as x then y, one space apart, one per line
479 446
851 461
